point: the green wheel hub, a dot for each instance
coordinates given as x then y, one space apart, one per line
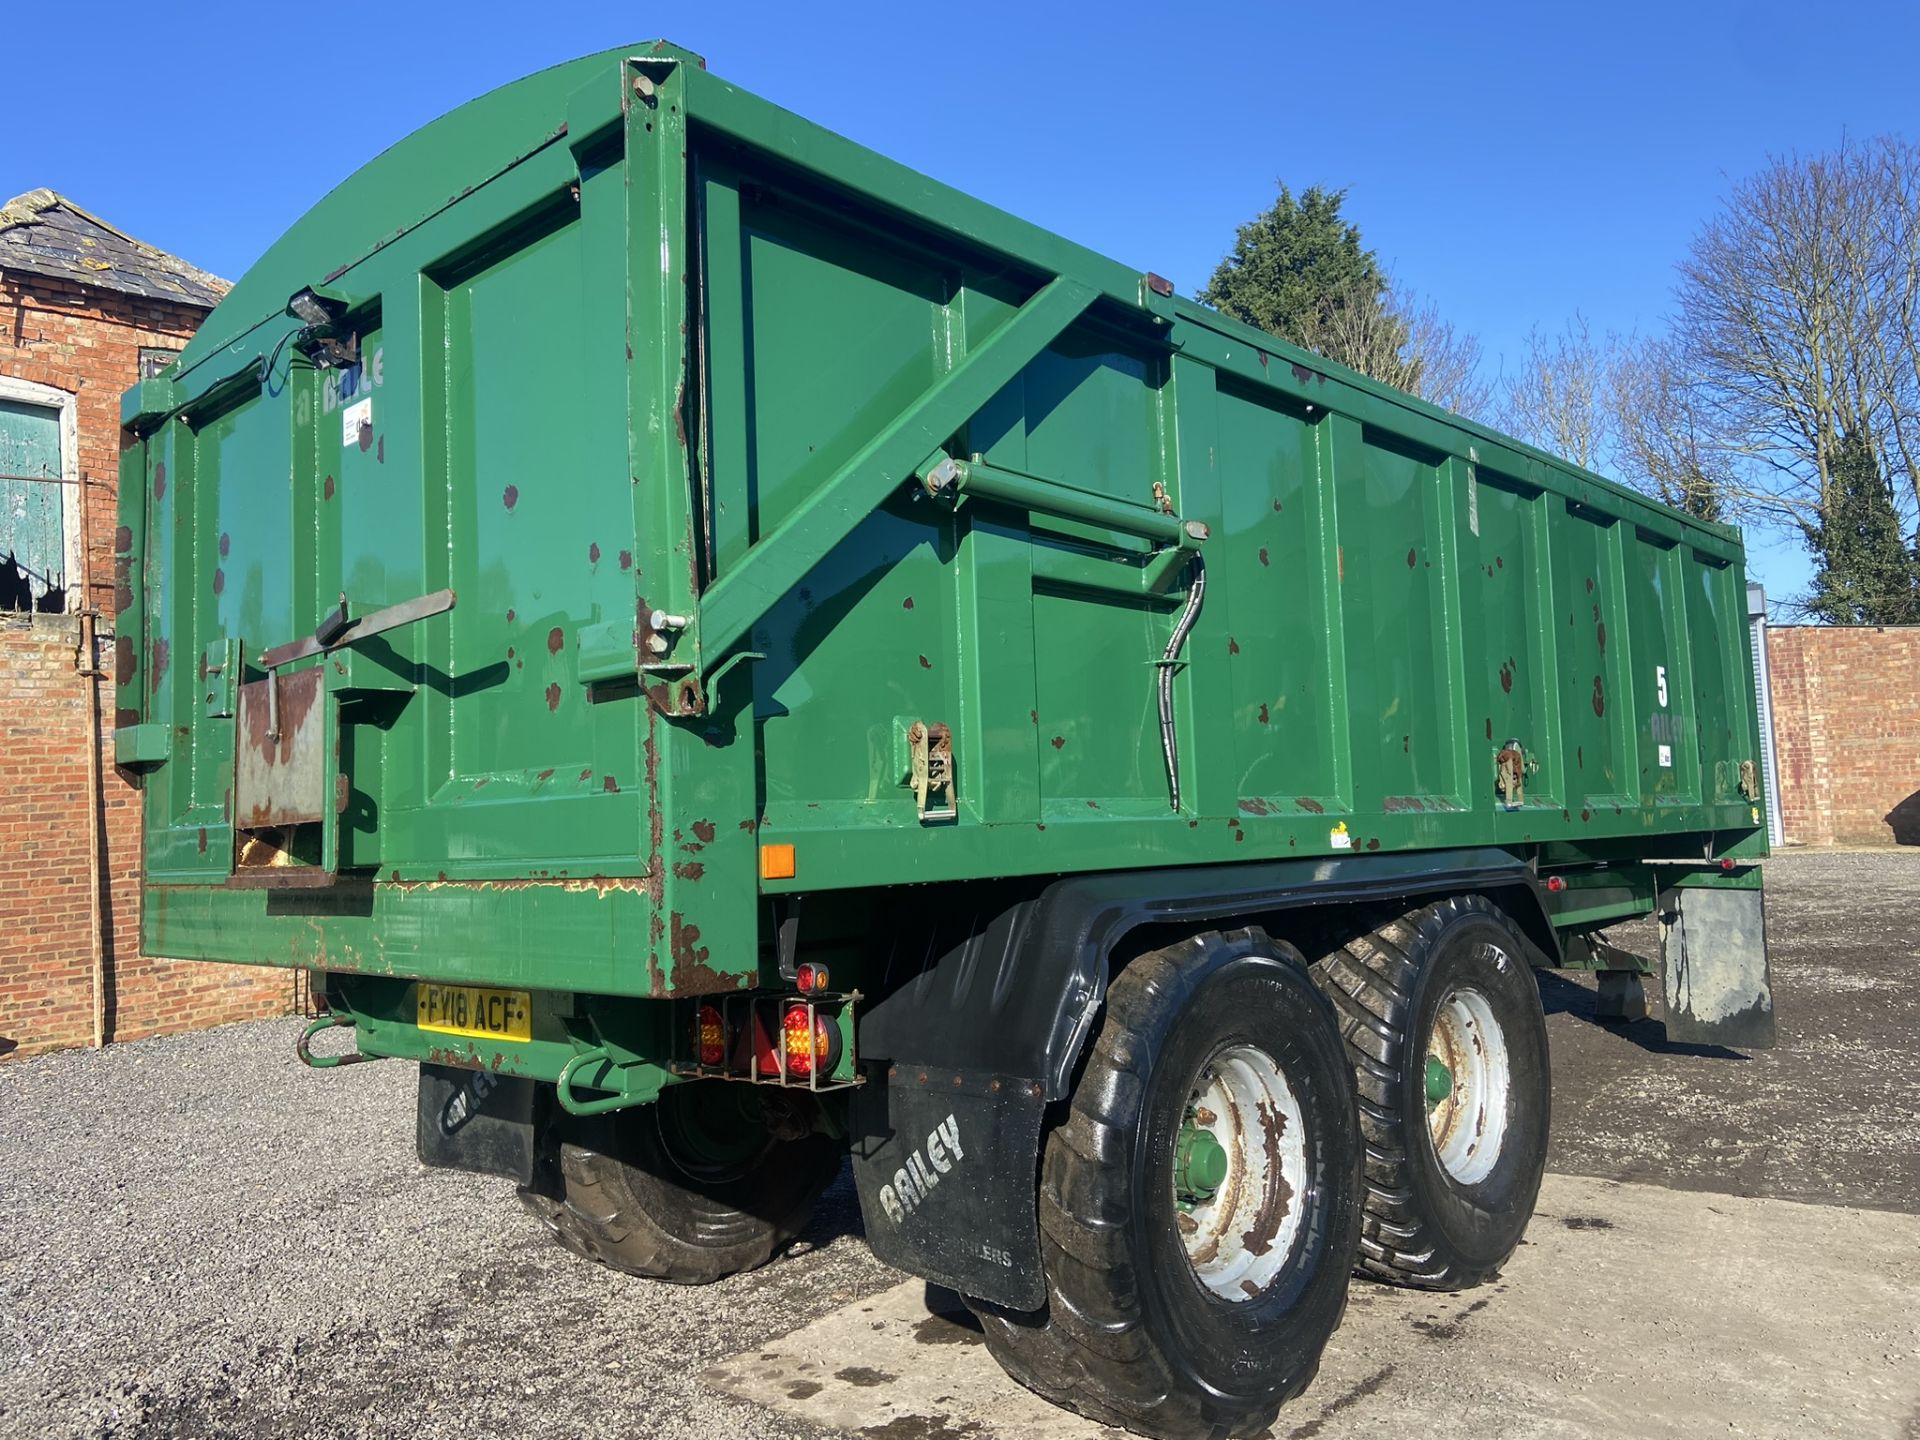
1200 1164
1439 1080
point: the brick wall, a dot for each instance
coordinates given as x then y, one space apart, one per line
1846 723
85 342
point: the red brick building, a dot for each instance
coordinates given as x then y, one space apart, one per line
84 310
1846 721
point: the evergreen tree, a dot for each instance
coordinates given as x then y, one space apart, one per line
1866 574
1298 270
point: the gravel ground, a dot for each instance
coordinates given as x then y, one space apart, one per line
199 1238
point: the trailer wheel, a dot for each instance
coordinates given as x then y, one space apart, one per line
1443 1024
690 1189
1200 1203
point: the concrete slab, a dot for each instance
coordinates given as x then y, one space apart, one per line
1631 1311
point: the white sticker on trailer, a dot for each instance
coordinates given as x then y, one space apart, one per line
1666 757
353 418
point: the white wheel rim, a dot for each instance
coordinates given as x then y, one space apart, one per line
1242 1236
1468 1124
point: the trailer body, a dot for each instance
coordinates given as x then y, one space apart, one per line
623 510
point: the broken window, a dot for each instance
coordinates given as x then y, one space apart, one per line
37 533
154 360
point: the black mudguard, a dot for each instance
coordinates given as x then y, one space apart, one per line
986 1011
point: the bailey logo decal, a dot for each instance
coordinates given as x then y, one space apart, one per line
914 1181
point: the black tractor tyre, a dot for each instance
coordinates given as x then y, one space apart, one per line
1448 1195
1131 1334
637 1194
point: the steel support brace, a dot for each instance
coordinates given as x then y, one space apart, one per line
735 601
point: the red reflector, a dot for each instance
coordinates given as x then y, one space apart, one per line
811 977
1726 864
710 1036
1556 884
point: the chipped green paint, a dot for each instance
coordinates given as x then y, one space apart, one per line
659 379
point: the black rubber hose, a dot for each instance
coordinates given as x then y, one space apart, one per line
1196 592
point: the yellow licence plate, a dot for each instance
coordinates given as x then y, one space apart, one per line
474 1010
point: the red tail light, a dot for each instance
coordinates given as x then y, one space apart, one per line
710 1036
810 978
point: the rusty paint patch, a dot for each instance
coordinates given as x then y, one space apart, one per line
1506 679
692 975
380 453
203 839
1489 727
226 544
704 830
556 640
123 718
1585 815
219 581
1233 646
1599 696
1580 756
1401 804
123 539
689 869
124 663
1589 585
1373 844
626 559
160 481
1263 556
510 496
925 664
326 488
1413 557
543 777
1266 717
1600 634
610 786
1059 742
1254 805
749 825
601 885
1500 562
593 552
366 436
553 697
1309 804
158 652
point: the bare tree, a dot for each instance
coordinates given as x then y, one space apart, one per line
1797 315
1448 361
1406 343
1556 400
1663 438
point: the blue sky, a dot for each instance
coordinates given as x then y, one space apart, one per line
1516 163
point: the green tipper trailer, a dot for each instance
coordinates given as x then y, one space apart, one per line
726 652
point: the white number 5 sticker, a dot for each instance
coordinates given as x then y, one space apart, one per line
1660 683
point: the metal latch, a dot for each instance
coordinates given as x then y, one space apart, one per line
931 763
1510 774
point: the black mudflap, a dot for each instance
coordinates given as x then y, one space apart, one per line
948 1180
475 1120
1714 973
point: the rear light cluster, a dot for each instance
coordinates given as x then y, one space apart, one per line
765 1038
